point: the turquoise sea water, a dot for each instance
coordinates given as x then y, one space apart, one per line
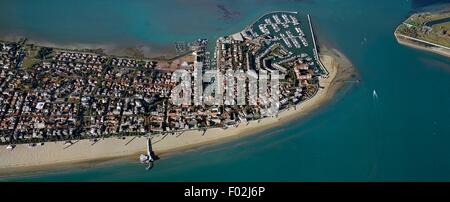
403 134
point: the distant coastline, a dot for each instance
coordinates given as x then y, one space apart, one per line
410 43
134 50
415 32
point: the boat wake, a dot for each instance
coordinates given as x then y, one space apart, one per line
376 104
375 95
378 139
375 99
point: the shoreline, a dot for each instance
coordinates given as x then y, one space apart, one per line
401 40
421 44
55 155
133 50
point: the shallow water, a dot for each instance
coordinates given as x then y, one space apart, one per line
402 134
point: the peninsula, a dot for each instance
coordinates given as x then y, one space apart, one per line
428 31
60 106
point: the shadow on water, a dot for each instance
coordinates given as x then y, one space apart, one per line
417 4
149 158
152 153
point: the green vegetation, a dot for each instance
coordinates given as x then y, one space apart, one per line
444 28
422 26
43 53
31 51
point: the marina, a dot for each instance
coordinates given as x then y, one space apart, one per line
291 34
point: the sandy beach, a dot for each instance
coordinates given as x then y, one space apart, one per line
409 43
56 154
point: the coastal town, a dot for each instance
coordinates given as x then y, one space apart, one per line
50 94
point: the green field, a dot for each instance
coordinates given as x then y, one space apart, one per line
417 26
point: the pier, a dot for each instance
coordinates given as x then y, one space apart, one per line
316 54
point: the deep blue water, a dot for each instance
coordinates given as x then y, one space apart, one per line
436 22
401 135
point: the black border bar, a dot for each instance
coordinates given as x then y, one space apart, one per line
258 191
